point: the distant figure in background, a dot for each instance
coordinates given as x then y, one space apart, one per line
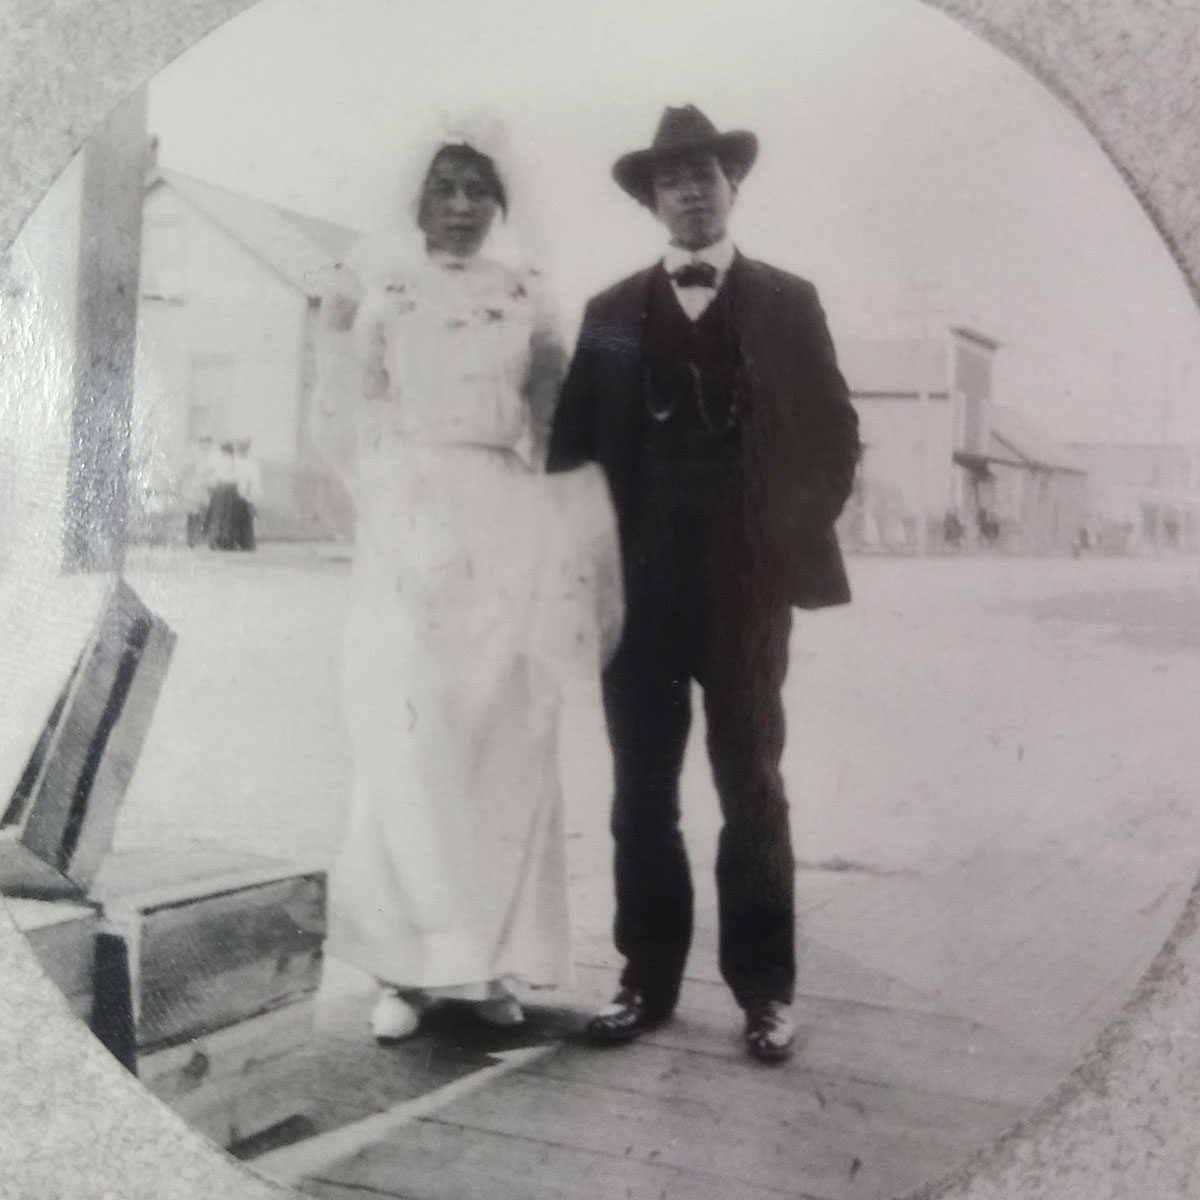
237 485
199 481
989 527
953 530
247 478
218 521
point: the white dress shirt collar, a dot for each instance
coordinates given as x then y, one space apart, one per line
694 300
719 254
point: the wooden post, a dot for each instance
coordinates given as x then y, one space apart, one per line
922 546
114 163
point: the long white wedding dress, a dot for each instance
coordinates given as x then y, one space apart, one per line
477 580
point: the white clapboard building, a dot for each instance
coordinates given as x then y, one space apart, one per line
939 451
228 312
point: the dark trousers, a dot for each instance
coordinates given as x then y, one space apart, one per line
701 609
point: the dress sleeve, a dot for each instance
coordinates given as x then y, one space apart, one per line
339 386
370 344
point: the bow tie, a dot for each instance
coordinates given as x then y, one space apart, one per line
697 274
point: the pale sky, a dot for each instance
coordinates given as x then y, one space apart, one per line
898 151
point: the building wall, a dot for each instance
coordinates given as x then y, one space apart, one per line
220 351
972 388
1143 497
902 473
1049 508
1035 509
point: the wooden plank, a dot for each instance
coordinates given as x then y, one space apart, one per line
58 825
148 879
823 970
901 1135
81 1004
354 1076
24 873
69 759
775 1137
211 947
924 1051
62 935
25 869
334 1191
119 759
659 1073
101 735
236 1082
927 1051
435 1161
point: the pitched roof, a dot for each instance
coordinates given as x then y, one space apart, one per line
334 237
893 366
296 246
1015 439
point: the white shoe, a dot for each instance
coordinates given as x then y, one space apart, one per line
505 1012
394 1018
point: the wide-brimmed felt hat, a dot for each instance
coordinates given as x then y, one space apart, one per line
679 131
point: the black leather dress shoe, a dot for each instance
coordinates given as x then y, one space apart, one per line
625 1019
770 1031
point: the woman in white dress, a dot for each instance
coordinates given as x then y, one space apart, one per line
476 578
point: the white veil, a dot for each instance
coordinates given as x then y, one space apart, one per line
517 237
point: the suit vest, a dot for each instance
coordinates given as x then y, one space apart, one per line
694 393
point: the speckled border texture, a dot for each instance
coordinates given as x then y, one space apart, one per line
1126 1124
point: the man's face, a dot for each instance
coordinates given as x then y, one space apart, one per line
693 198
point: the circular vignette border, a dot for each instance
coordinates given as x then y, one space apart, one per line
1125 1123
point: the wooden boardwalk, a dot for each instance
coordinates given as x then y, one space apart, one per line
934 1011
880 1097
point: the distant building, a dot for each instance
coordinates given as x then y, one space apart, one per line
1142 497
229 303
900 389
937 448
1029 489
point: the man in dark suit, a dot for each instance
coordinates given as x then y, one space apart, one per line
707 389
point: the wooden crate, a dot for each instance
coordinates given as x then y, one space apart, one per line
214 937
235 1082
58 824
62 936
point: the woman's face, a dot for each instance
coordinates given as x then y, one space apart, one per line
458 207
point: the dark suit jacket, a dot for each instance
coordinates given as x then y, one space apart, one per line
799 432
